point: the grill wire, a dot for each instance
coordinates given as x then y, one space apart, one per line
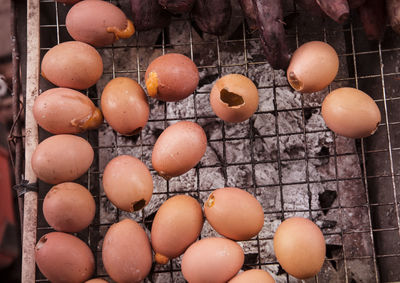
378 155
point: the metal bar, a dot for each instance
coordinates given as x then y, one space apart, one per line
15 135
31 140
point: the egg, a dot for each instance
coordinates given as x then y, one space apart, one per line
253 276
61 158
234 213
213 260
178 149
126 252
351 113
66 111
127 183
96 280
125 106
98 23
177 224
64 258
299 247
171 77
72 64
313 67
234 98
69 207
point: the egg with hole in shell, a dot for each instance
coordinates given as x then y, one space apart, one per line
234 98
127 183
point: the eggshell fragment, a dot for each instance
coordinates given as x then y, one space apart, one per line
69 207
177 224
61 158
178 149
125 106
299 247
127 183
313 67
66 111
351 113
98 23
253 276
72 64
64 258
171 77
234 98
234 213
213 260
126 252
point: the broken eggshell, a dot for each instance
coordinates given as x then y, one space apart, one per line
171 77
98 23
125 106
234 98
127 183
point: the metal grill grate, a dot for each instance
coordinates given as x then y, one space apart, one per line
370 67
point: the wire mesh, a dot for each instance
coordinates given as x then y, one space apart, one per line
368 66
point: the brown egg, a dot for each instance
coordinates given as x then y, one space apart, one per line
72 64
127 183
126 252
253 276
98 23
212 260
177 224
234 98
64 258
234 213
62 158
69 207
178 149
351 113
66 111
313 67
299 247
171 77
125 106
96 280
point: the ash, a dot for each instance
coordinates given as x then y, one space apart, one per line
284 149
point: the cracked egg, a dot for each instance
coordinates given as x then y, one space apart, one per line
98 23
234 98
66 111
171 77
128 183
